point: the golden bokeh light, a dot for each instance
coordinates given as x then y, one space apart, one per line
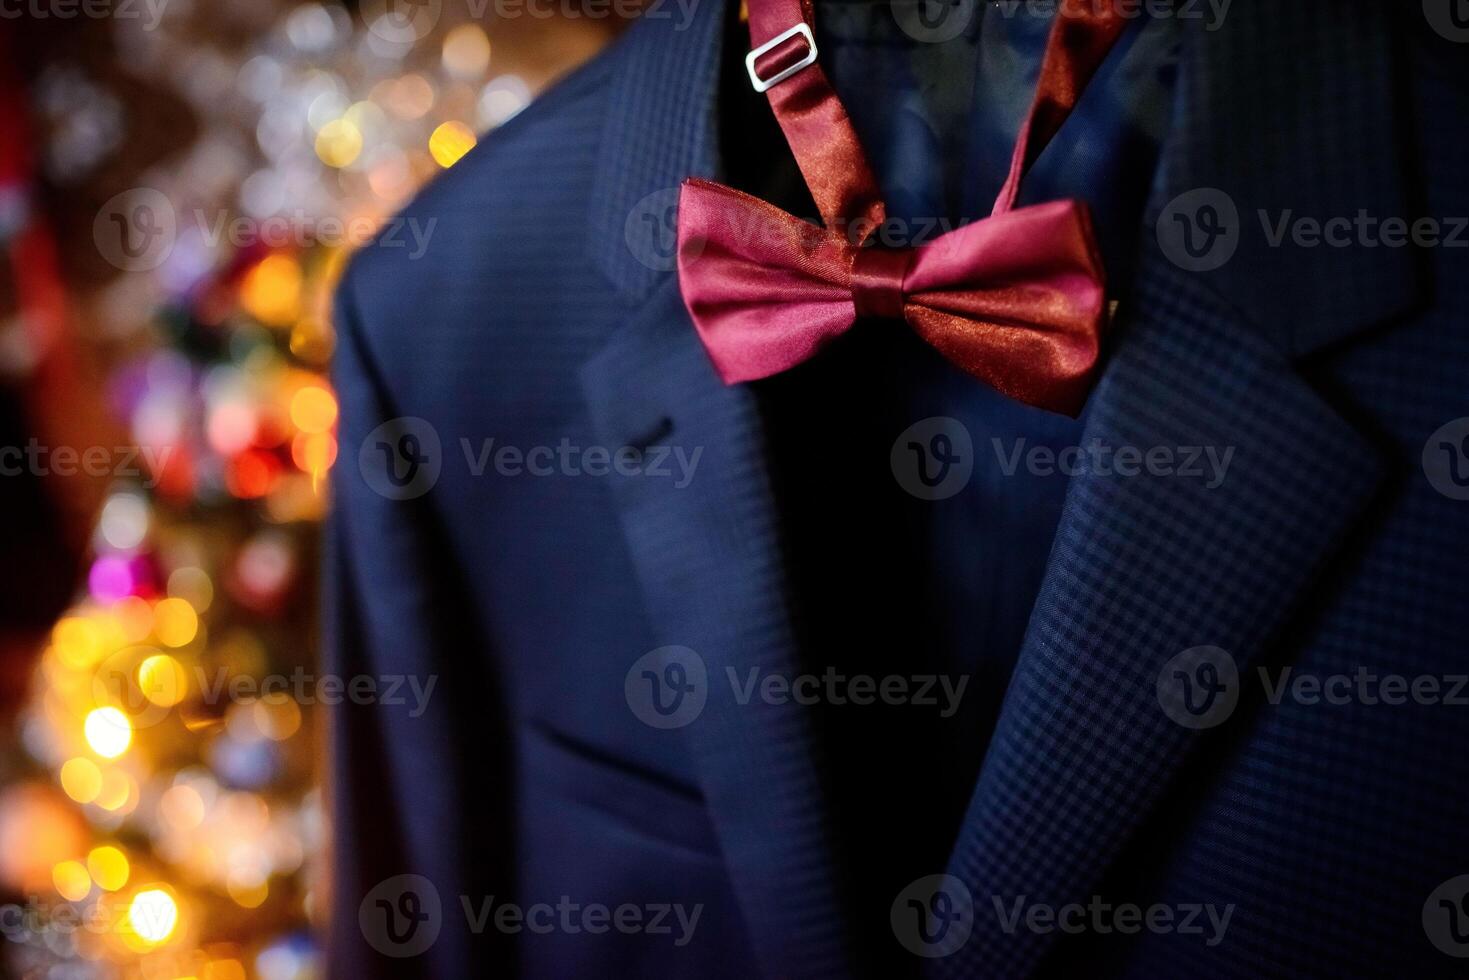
227 969
271 291
449 142
78 641
81 779
108 732
153 915
71 880
313 409
109 867
339 143
117 791
314 452
162 680
174 622
248 889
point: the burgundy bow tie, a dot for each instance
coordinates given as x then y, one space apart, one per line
1017 299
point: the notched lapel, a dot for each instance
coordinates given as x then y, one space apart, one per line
1147 567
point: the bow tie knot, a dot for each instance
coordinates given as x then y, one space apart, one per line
1016 299
877 281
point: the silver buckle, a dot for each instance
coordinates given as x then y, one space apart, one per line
761 84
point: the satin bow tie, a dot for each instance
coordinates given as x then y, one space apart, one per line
1017 299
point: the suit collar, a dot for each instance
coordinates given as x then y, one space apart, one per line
660 128
1147 568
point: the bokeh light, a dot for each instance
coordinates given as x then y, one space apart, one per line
108 732
153 915
72 881
449 142
175 622
339 143
109 867
162 680
81 779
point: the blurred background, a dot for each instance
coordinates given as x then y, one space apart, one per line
180 184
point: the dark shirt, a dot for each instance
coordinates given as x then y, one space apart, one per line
887 583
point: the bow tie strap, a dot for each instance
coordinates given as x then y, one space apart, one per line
783 64
1084 31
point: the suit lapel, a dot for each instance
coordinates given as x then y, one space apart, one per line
708 554
1146 567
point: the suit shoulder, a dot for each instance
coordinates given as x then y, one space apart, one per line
499 191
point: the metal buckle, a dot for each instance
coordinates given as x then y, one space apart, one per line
761 84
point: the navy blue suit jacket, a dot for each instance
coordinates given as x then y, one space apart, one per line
1139 756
